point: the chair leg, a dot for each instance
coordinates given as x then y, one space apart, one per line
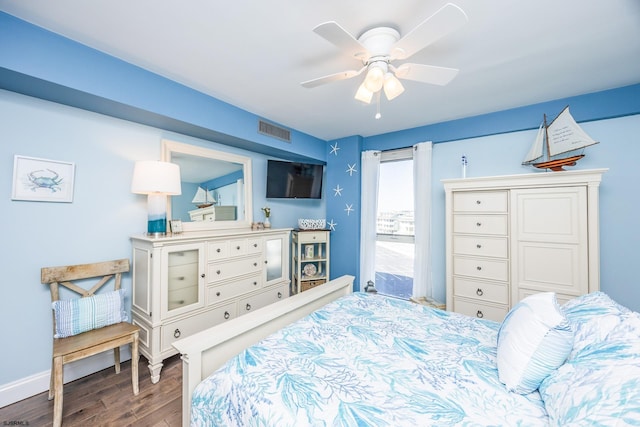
51 377
57 387
134 364
116 359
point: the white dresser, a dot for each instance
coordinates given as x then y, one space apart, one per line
188 282
508 237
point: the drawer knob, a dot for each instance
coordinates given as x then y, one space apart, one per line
479 314
265 261
177 333
218 271
255 264
218 293
255 283
218 250
255 245
248 307
479 246
478 224
238 248
180 278
478 202
479 292
279 295
226 315
478 268
202 275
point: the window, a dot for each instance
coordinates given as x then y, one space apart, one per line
395 225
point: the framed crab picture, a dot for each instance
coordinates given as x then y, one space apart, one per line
42 180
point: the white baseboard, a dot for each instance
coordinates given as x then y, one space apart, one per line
37 383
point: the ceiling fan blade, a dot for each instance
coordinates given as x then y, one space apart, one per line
334 33
426 73
445 21
343 75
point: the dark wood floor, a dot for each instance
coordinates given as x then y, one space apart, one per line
106 399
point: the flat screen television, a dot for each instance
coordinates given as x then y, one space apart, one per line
291 180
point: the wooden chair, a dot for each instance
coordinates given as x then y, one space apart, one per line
94 341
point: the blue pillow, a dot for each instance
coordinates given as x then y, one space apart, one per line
84 314
534 339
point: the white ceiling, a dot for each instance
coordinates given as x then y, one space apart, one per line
254 54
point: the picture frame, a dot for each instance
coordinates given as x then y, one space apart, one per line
42 180
308 252
176 226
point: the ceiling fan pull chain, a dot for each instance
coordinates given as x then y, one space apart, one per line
378 115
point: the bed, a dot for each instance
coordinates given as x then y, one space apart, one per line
332 358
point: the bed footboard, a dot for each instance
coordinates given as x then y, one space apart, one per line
206 351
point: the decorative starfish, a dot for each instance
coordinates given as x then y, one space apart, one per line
351 169
349 208
334 149
332 225
338 191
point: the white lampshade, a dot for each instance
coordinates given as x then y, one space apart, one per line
363 94
152 176
392 86
375 78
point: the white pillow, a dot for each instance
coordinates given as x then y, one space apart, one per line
534 340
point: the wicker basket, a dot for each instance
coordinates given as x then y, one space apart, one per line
309 284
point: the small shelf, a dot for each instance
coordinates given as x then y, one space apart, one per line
309 254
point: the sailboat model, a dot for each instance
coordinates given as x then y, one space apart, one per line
559 144
203 198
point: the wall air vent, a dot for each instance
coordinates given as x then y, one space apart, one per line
274 131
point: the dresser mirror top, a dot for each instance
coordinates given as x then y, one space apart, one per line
216 188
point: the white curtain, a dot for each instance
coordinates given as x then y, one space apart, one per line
422 285
369 208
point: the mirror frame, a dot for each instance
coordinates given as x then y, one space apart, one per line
169 147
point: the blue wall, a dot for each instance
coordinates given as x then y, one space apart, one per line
104 213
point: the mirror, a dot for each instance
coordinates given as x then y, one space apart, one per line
216 188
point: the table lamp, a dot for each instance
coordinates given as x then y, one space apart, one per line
158 180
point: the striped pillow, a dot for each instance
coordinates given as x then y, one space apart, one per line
84 314
534 339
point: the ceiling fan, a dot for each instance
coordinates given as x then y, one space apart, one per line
378 47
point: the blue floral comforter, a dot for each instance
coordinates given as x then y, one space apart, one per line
368 360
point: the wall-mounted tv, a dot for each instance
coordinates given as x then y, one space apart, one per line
290 180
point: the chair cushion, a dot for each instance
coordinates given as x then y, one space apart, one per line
534 340
84 314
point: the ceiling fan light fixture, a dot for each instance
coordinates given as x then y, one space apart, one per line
375 78
392 86
363 94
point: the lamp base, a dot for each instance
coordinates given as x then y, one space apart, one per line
157 219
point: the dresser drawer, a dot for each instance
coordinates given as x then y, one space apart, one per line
183 328
481 224
263 299
182 257
480 201
182 276
225 270
481 291
254 246
472 308
312 236
220 293
218 250
481 268
481 246
182 297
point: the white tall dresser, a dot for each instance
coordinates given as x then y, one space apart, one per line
185 283
508 237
